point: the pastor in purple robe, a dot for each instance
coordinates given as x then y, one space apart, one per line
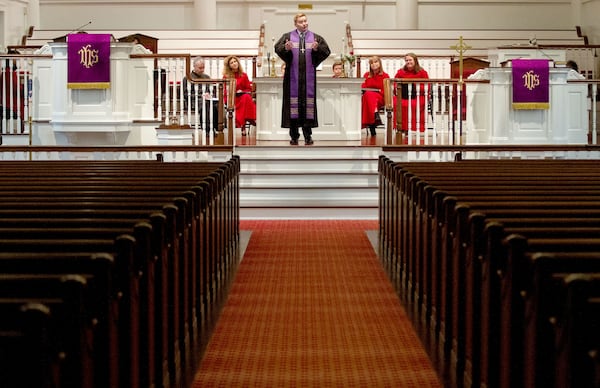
302 51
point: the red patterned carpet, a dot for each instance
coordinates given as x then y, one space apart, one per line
311 307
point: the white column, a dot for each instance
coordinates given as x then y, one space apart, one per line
407 14
205 12
33 14
576 12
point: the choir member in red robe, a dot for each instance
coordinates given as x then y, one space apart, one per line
412 95
372 98
245 108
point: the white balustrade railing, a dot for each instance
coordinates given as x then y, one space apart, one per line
177 102
16 88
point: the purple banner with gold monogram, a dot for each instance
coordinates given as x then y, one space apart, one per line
88 61
531 88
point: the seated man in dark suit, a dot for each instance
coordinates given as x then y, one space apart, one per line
204 92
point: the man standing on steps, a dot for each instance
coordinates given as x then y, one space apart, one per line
302 51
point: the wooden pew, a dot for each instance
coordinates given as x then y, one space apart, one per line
228 191
174 305
576 331
412 242
456 292
129 308
70 325
155 309
412 192
476 265
414 272
544 300
224 196
481 290
59 194
102 267
513 283
454 297
26 329
72 199
143 264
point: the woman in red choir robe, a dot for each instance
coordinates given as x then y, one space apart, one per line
372 98
417 99
245 108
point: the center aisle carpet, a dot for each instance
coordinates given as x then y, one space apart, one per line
312 307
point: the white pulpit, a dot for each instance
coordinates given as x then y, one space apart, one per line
492 120
95 116
338 109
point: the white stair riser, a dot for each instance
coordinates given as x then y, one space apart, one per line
315 166
302 180
282 153
363 200
258 213
309 182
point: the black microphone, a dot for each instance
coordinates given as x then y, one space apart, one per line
546 55
78 29
533 43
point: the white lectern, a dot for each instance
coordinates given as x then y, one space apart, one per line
95 116
492 120
338 109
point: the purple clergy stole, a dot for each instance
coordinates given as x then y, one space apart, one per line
299 49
